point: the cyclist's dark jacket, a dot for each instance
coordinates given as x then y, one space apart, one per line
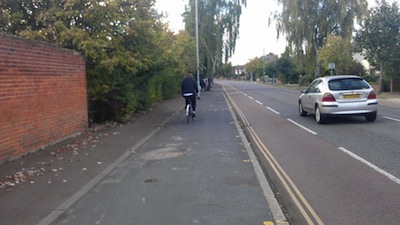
189 87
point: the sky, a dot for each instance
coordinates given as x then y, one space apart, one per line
256 38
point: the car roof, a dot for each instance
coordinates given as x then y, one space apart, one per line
328 78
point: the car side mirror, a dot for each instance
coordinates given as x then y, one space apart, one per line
303 91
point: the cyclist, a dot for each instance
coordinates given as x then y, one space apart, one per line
189 91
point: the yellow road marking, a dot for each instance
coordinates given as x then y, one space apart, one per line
287 182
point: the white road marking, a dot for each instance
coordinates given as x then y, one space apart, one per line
251 98
276 112
259 102
377 169
303 127
390 118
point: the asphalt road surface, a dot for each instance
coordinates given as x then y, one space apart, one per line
197 173
343 172
160 170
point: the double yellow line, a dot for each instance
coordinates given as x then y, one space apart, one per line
304 207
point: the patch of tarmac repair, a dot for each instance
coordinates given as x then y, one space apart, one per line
164 153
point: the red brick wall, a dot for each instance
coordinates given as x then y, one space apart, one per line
42 96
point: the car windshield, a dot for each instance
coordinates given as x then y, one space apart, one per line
347 84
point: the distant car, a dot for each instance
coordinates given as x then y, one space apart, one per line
341 95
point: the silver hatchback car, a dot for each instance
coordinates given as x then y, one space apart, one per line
341 95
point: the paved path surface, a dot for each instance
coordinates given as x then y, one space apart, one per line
154 170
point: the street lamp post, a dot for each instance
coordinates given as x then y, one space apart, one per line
263 74
197 48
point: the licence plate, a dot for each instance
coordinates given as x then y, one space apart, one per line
351 96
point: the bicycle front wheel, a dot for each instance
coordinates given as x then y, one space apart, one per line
188 113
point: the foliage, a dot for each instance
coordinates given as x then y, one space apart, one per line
218 22
132 61
270 69
379 38
371 78
336 50
286 69
227 70
185 50
307 23
252 67
306 80
258 66
355 68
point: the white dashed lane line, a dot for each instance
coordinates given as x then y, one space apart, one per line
273 110
390 118
278 113
303 127
379 170
260 103
374 167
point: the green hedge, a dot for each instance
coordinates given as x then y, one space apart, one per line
117 96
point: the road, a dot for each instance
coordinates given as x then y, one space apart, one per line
198 173
343 172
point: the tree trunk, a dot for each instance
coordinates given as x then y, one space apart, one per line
317 68
380 89
391 85
318 61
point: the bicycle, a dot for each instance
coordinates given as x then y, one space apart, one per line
189 111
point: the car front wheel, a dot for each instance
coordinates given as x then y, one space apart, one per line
319 117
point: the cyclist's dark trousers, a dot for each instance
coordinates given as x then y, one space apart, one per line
193 99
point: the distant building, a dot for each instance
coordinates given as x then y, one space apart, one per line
239 70
271 57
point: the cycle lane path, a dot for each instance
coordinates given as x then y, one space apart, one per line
174 173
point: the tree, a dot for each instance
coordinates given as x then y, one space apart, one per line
132 61
219 22
252 67
286 69
227 70
307 23
355 68
336 50
185 50
379 38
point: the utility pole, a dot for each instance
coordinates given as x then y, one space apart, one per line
263 74
197 49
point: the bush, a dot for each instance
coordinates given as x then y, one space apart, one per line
306 80
372 79
110 94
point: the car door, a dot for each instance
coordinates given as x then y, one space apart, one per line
311 95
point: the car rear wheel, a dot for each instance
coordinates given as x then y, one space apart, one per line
371 117
319 117
301 110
